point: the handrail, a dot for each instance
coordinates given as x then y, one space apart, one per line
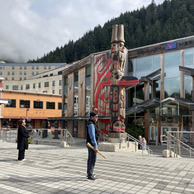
136 140
105 136
178 143
40 136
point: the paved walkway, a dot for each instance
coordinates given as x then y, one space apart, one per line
50 169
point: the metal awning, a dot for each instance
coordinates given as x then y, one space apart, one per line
154 101
142 106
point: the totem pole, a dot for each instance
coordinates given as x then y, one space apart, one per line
117 89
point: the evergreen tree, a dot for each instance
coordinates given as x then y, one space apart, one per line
152 24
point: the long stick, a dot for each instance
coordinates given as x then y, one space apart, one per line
92 147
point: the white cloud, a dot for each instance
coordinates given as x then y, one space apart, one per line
30 28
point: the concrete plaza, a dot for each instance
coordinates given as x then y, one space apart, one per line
49 169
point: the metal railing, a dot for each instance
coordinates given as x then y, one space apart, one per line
146 148
180 143
58 137
128 139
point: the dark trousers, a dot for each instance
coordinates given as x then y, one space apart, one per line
91 162
21 154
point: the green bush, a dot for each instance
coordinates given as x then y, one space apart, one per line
135 130
30 140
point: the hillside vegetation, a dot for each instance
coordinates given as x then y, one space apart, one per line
170 20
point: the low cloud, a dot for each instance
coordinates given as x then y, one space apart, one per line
32 28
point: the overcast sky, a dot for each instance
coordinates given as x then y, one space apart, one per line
30 28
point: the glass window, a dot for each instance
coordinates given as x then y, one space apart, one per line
20 67
24 104
60 82
12 72
131 65
75 110
172 87
172 59
143 73
24 72
75 128
144 63
37 67
33 67
1 73
20 72
46 84
20 78
50 105
12 78
27 86
7 87
53 91
12 103
34 85
59 105
188 87
53 83
156 62
60 91
39 85
21 87
8 73
38 104
15 87
88 89
66 86
172 72
13 67
24 67
188 56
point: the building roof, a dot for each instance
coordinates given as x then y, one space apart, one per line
32 64
156 101
142 106
30 93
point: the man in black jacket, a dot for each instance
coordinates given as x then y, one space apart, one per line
92 138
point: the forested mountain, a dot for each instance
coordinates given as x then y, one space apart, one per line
170 20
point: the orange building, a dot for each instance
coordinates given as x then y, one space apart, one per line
36 108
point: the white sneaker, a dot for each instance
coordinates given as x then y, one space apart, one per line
22 160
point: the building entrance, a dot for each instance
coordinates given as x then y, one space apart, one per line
164 130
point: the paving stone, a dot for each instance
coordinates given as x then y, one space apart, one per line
50 169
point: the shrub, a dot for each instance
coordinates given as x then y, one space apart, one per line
135 130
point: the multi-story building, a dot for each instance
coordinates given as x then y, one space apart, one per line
48 82
160 102
23 71
36 108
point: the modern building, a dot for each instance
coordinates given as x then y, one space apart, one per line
23 71
161 102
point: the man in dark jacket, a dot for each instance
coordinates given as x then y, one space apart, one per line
22 141
92 138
